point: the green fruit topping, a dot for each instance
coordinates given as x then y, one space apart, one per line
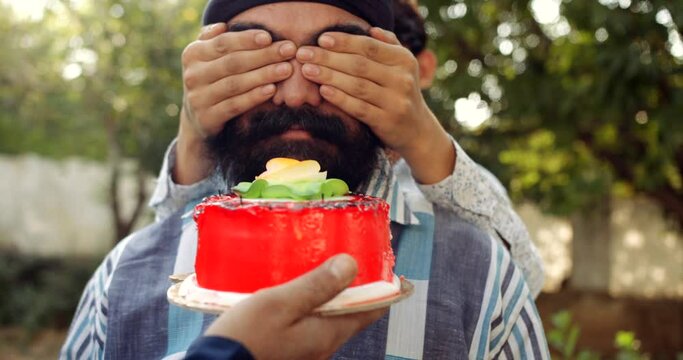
334 187
261 189
242 187
251 190
279 192
306 189
312 187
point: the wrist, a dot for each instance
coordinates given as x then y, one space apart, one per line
432 156
192 163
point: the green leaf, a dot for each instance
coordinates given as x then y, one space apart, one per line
624 340
562 320
572 338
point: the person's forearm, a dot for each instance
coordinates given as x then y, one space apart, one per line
478 197
169 196
192 161
433 158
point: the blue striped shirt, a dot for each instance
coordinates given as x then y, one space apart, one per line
470 299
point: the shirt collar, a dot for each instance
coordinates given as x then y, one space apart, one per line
383 184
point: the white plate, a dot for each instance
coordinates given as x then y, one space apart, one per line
187 294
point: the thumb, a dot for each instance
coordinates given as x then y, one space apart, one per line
302 295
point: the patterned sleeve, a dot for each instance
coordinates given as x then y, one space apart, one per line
509 326
88 331
476 195
169 197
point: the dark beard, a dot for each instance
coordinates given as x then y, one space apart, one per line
243 147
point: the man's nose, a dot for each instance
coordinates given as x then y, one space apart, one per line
297 90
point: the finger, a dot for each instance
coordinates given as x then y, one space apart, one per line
331 332
347 325
215 116
355 86
359 109
232 86
364 45
211 31
385 35
352 64
243 61
316 287
207 50
236 63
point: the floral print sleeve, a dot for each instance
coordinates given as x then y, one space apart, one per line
476 195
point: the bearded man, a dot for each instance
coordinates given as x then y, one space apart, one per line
188 174
344 89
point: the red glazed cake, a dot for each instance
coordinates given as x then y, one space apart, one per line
246 245
286 222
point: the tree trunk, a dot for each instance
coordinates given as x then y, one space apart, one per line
122 225
591 248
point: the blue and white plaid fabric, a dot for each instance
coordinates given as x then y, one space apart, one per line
470 300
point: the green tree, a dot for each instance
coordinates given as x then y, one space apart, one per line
585 102
100 79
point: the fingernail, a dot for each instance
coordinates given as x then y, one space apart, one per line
262 39
268 89
305 54
282 69
287 49
343 267
326 41
311 70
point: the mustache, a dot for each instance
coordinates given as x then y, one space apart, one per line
266 124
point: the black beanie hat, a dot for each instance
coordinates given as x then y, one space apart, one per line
375 12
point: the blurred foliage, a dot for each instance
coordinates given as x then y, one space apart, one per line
43 292
583 104
99 79
94 78
564 335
